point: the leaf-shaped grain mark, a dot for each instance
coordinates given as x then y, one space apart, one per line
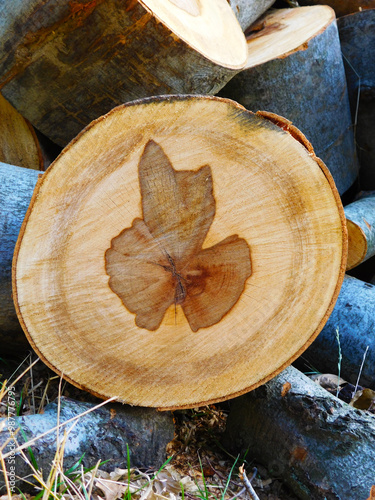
159 260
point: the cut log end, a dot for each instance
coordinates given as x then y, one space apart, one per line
172 249
297 26
208 26
18 142
357 245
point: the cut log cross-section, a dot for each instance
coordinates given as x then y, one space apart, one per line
295 68
165 246
18 142
63 64
360 219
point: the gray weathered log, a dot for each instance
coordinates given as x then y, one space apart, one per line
64 64
100 435
354 319
342 7
361 231
321 447
248 11
16 188
307 86
357 37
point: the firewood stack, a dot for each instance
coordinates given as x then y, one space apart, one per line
190 241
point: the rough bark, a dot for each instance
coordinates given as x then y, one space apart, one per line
342 7
353 317
100 435
18 141
320 446
295 69
360 217
63 64
357 36
16 189
127 250
248 11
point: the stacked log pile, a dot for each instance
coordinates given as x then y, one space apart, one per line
192 246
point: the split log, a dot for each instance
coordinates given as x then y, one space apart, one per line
357 36
63 64
248 11
101 434
320 446
16 189
167 241
353 320
18 141
295 69
360 219
342 7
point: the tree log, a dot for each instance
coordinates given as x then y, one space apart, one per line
101 434
353 317
18 141
165 243
295 69
16 189
248 11
357 36
360 218
63 64
342 7
320 446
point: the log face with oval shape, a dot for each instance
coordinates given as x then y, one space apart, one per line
159 261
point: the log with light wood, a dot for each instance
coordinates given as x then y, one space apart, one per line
295 69
360 219
248 11
357 37
16 188
320 446
351 330
18 141
63 64
166 246
342 7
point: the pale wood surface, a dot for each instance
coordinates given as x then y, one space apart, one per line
270 192
63 64
18 142
295 69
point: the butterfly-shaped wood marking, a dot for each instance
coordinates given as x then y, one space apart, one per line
159 260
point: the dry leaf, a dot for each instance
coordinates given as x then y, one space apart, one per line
328 381
372 493
364 399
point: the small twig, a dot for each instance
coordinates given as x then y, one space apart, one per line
11 384
339 361
360 371
239 493
247 483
